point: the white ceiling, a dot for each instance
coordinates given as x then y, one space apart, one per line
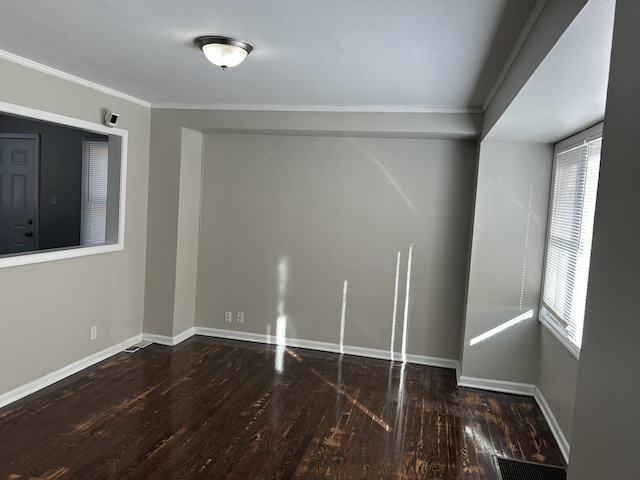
568 91
369 55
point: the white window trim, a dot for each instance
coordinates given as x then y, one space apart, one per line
553 325
560 332
78 251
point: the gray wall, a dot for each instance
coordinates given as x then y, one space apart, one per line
290 218
162 224
164 254
60 174
49 308
188 231
509 228
606 418
557 377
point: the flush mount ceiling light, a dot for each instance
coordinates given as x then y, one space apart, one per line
224 51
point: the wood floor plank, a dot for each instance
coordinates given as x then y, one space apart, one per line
221 409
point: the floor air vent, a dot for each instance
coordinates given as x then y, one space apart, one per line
520 470
137 346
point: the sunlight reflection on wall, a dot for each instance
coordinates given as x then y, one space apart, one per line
281 322
502 327
394 315
405 325
343 314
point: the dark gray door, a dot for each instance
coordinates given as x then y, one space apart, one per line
18 192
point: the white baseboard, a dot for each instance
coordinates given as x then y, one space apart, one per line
463 381
181 337
497 385
64 372
166 340
327 347
160 339
553 424
522 389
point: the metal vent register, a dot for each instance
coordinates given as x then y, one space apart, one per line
137 346
519 470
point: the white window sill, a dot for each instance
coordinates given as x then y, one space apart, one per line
50 256
561 335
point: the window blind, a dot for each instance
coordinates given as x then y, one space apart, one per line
569 239
95 167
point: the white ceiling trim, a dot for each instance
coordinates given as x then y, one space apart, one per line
526 30
323 108
71 78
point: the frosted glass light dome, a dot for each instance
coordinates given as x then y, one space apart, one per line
224 51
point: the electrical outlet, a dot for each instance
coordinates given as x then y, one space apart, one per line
227 317
240 317
94 332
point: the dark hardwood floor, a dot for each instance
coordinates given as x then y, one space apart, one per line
214 409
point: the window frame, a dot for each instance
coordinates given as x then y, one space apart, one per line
556 325
121 137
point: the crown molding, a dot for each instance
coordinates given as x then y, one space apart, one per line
321 108
515 51
25 62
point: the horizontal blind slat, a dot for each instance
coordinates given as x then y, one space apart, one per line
95 169
570 233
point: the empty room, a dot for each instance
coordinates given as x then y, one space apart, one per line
296 240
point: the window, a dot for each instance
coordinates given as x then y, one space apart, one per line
570 231
69 215
95 167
